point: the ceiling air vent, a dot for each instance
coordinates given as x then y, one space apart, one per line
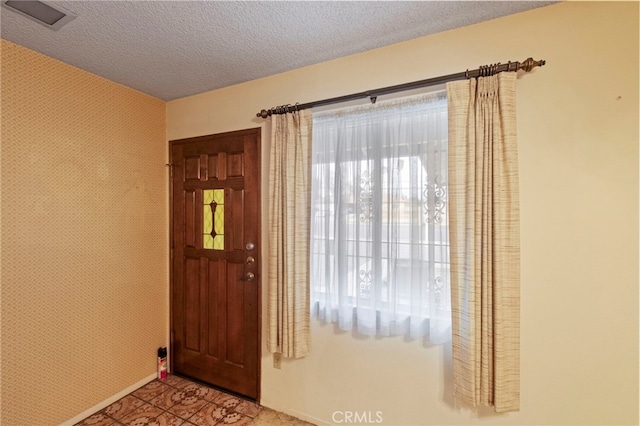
44 13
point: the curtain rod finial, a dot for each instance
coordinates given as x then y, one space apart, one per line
530 64
264 113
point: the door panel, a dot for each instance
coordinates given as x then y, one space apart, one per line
215 306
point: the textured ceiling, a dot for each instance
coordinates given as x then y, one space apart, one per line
172 49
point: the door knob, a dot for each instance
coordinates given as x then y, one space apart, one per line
250 260
249 276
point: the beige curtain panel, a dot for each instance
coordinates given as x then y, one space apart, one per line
485 241
289 215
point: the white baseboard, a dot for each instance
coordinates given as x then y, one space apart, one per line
91 411
301 416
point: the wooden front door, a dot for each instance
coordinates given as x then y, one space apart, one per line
215 279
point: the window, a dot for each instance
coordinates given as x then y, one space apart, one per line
379 238
213 219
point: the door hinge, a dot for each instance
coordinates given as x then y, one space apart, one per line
170 165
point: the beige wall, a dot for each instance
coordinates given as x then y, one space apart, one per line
84 238
578 138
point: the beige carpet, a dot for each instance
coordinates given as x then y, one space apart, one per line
269 417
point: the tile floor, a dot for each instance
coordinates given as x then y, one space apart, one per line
181 402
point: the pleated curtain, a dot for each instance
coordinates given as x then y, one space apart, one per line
288 245
484 238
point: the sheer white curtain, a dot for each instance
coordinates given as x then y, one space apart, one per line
379 222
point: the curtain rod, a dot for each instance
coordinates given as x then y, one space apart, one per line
483 71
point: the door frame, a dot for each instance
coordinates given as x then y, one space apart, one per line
258 132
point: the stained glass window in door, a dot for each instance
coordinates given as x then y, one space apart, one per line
213 219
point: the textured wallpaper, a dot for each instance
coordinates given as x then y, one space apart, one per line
84 238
